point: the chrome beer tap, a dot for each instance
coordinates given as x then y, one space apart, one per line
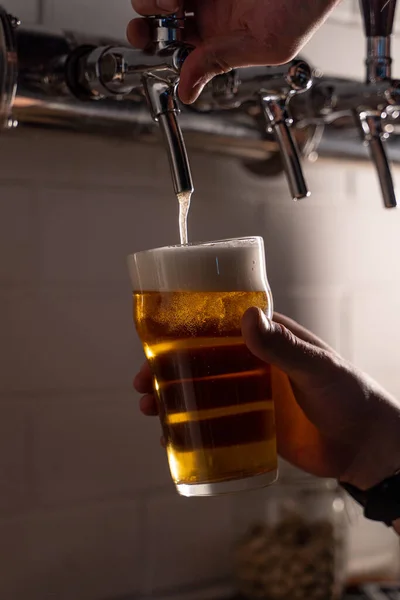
370 104
271 88
101 72
8 80
378 18
256 113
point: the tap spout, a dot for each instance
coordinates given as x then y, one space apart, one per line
278 120
117 72
177 155
161 99
9 67
371 125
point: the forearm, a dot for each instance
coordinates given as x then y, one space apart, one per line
396 526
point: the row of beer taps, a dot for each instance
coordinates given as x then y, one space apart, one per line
284 97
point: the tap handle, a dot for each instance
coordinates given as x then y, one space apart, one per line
166 29
371 125
378 16
275 112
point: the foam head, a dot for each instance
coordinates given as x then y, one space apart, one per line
225 266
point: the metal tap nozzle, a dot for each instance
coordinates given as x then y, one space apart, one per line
164 110
278 120
119 71
378 16
272 88
275 106
371 125
9 71
275 98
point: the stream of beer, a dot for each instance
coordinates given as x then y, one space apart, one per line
184 204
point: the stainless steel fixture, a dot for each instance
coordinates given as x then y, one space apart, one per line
268 116
374 102
378 22
119 71
110 71
9 68
272 89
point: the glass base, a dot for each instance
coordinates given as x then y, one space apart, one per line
227 487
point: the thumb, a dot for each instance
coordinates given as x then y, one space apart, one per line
275 344
219 55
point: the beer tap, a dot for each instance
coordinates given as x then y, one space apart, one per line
8 81
378 16
370 104
57 70
271 88
275 106
101 72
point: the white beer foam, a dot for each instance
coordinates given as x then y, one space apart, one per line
227 265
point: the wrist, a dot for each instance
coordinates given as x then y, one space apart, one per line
381 502
378 457
367 472
366 476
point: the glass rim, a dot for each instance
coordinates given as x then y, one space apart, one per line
251 238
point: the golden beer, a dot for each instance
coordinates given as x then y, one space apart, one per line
214 396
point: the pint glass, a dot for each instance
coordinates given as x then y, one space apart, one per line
214 396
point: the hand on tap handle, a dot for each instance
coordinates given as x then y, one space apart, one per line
234 33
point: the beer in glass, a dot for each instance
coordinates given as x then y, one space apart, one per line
214 396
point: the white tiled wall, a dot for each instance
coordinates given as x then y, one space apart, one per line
87 511
46 554
90 16
187 541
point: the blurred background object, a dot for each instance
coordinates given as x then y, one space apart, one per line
298 548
